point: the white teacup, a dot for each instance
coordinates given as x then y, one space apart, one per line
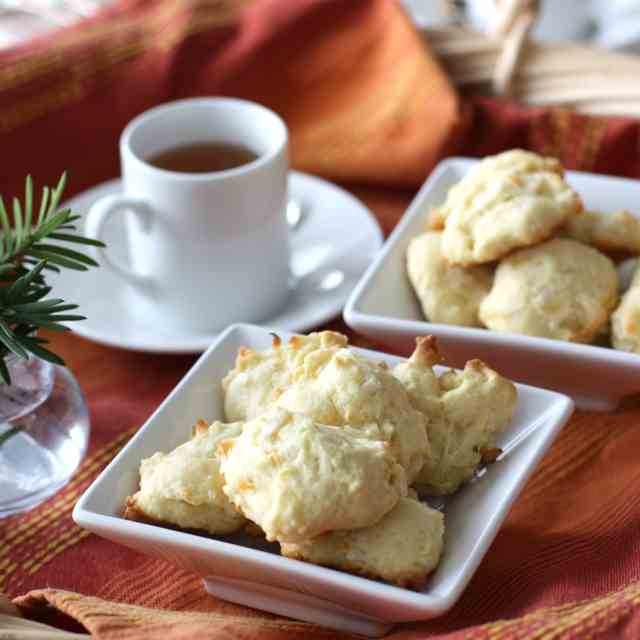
206 249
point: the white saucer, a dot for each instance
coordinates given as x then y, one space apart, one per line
338 236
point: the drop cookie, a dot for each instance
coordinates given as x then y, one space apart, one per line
448 294
513 200
560 289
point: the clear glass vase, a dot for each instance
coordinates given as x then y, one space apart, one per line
44 431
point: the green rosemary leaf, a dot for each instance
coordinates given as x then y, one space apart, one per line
9 433
52 326
38 281
28 204
17 223
22 283
67 253
33 339
6 231
56 259
26 266
56 194
35 307
45 354
36 318
69 237
65 318
28 260
51 224
37 293
25 258
6 378
61 306
53 200
8 340
43 205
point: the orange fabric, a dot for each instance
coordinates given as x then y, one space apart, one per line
365 102
72 95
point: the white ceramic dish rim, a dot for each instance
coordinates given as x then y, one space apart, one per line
418 604
354 316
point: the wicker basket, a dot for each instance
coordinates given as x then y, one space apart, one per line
507 62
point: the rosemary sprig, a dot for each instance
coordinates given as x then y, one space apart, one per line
26 253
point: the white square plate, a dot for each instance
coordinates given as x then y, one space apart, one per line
246 570
384 307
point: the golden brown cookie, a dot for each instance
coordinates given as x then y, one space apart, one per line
625 320
184 488
297 479
560 289
516 199
340 387
616 233
403 547
449 294
465 412
253 385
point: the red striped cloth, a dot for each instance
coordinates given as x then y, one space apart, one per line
365 103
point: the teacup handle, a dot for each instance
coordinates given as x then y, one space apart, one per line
98 216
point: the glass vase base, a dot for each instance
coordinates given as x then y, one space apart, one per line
42 447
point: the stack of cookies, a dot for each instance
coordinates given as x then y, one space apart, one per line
513 250
328 453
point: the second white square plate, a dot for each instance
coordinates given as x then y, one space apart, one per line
384 307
